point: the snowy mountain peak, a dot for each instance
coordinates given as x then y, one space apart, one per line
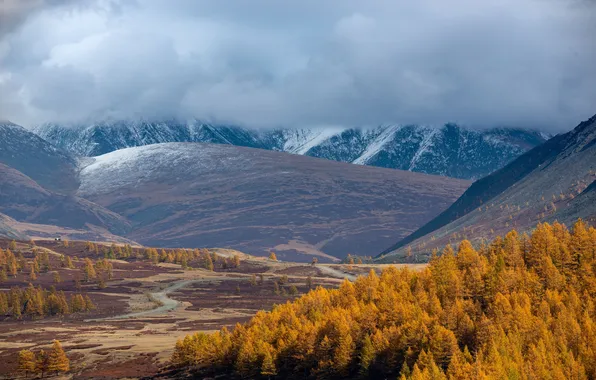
448 150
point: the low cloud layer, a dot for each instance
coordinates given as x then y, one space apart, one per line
300 63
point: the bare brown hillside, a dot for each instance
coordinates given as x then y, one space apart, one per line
253 200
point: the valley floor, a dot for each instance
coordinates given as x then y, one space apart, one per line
146 307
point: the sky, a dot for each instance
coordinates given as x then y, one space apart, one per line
307 63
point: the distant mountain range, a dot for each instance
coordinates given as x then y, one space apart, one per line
448 150
206 195
186 194
555 181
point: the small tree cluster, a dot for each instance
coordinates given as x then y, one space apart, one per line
41 260
354 259
115 251
187 258
230 262
55 361
104 268
66 262
8 263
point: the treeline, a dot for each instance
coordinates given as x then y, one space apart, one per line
38 302
112 252
521 307
191 258
187 258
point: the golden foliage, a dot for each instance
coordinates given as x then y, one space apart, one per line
54 362
521 307
38 302
57 360
26 362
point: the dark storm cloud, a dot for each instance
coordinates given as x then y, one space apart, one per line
302 63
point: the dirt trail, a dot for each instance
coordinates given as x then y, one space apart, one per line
167 303
333 272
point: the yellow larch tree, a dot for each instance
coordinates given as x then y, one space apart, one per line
57 360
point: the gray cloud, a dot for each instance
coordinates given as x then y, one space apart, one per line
14 12
301 63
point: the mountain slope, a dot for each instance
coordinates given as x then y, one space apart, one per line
38 159
188 195
25 200
12 229
554 181
448 150
7 230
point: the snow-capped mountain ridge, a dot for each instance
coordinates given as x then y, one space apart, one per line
448 150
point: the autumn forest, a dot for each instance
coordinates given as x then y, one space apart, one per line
519 307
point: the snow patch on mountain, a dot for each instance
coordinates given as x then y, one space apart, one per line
301 141
425 146
449 150
136 165
7 124
377 144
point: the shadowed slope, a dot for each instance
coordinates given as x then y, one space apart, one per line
548 183
25 200
30 154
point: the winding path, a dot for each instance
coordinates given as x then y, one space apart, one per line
168 303
336 272
161 296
